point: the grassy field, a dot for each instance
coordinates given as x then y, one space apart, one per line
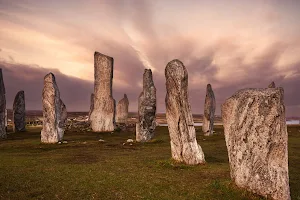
88 169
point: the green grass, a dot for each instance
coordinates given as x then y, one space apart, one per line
87 169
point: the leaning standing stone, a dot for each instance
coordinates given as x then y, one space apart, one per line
146 124
184 146
209 111
257 141
52 111
103 115
2 108
19 122
122 110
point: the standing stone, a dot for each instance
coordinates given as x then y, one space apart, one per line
19 122
257 141
2 108
146 124
122 110
54 112
103 114
62 120
209 111
272 85
92 105
6 120
184 146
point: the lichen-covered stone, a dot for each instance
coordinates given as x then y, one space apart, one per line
209 111
19 122
145 127
54 112
103 115
271 85
3 134
184 146
91 105
122 110
257 141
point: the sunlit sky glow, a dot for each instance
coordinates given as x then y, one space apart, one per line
231 44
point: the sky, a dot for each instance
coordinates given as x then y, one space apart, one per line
231 44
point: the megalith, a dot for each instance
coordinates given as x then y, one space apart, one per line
62 120
3 134
54 112
103 115
257 141
271 85
184 146
19 122
145 127
6 120
209 111
91 105
122 110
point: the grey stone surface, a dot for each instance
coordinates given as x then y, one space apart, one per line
209 111
53 112
272 85
3 119
122 110
19 112
184 146
103 115
6 119
145 127
62 120
257 141
91 105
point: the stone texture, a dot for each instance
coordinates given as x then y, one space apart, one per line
2 108
6 119
184 146
91 105
257 141
103 115
54 112
272 85
122 110
62 120
19 122
145 127
209 111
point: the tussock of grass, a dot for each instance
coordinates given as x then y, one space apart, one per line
85 168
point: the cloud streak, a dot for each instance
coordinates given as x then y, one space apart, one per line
232 46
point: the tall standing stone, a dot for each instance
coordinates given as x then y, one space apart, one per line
145 127
103 114
91 105
62 120
184 146
19 122
122 110
54 112
257 141
2 108
209 111
271 85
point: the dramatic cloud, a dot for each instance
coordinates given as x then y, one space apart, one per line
235 45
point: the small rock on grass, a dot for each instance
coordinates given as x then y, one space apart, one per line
129 140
